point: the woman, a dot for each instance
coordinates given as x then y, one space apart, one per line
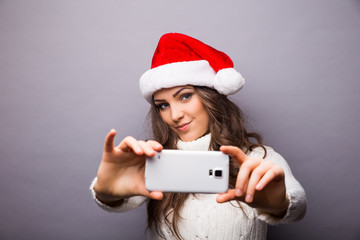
187 87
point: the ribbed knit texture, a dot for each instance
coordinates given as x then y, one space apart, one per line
204 218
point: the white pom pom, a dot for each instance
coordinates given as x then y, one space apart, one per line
228 81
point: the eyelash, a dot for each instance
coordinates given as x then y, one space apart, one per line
183 97
186 95
162 106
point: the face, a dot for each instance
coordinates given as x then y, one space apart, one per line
182 110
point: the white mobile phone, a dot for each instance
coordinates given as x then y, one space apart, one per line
187 171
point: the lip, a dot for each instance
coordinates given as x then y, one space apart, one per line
183 127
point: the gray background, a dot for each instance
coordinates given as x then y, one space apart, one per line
69 73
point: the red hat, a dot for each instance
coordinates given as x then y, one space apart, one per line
182 60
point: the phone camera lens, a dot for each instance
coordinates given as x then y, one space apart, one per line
218 173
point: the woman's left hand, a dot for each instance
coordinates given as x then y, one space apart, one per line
260 183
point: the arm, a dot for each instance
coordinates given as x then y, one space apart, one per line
267 185
121 205
295 192
120 176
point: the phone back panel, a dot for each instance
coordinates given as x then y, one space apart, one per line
187 171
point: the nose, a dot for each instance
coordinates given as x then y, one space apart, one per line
177 112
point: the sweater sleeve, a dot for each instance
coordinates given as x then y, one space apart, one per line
129 203
296 194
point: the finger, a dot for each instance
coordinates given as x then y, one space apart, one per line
226 197
244 175
255 177
109 141
157 195
130 143
155 145
274 173
147 149
151 147
234 152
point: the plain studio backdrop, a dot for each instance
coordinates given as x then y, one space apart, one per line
69 73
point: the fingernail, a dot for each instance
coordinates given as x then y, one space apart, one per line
238 193
248 198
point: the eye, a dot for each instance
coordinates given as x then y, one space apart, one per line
162 106
186 96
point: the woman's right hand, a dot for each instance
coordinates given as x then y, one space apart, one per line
122 168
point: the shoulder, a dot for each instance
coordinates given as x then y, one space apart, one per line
271 155
259 152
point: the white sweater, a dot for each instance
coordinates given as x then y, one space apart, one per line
204 218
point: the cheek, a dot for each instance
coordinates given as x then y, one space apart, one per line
205 119
202 113
165 117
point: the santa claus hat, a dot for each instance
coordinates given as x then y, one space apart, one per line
182 60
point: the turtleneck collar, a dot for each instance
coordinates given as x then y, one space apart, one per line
200 144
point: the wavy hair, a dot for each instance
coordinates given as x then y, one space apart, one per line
227 127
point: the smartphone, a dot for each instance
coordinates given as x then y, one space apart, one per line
187 171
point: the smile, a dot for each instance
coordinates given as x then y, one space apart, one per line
183 127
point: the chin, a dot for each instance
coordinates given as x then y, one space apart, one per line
189 137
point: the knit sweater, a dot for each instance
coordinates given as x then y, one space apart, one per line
204 218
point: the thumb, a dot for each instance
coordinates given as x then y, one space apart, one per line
156 195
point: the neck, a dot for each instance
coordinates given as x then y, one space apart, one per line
200 144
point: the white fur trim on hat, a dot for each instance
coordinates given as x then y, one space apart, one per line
198 73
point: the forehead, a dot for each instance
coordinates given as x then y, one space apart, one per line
168 92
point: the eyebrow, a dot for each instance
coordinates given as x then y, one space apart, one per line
180 90
174 95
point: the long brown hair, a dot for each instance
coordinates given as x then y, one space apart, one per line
227 127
